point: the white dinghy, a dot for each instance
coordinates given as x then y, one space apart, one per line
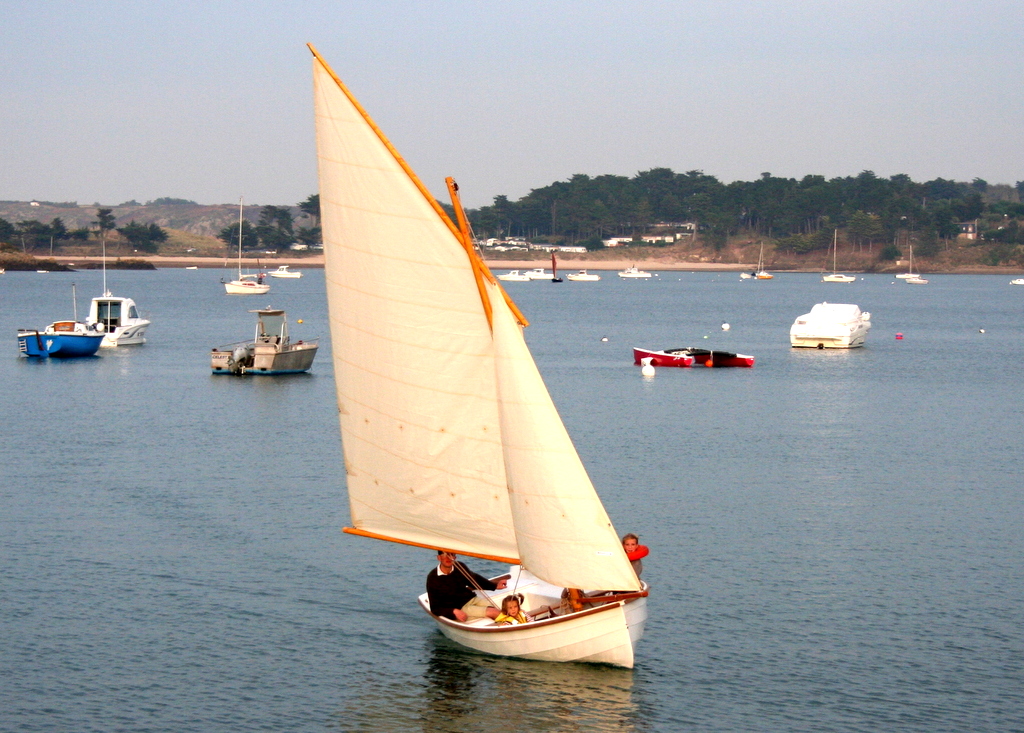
450 438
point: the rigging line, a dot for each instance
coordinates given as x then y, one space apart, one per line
469 576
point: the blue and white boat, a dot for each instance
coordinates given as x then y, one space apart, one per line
61 340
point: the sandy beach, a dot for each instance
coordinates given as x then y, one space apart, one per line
317 261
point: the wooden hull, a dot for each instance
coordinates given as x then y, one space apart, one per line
602 635
691 357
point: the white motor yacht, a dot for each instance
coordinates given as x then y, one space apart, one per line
121 323
633 272
514 276
583 276
831 326
283 271
538 273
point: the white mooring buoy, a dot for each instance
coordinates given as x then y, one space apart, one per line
646 370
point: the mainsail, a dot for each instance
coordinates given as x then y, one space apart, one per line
434 446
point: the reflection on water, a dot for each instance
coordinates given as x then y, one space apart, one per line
462 691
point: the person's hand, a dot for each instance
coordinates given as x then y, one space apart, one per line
460 614
502 584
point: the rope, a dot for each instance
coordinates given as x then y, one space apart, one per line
469 576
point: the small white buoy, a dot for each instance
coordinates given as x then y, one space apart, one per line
981 330
646 370
726 326
705 335
604 338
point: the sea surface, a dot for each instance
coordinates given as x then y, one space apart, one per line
837 537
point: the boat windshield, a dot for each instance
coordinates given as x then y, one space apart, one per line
272 327
108 312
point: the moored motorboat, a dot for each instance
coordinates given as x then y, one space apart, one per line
515 276
685 357
538 273
583 276
633 272
60 340
284 272
450 438
1017 281
122 324
270 352
831 326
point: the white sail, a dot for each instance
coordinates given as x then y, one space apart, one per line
562 529
413 353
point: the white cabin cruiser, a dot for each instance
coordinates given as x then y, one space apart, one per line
633 272
515 276
283 271
584 277
538 273
831 326
120 320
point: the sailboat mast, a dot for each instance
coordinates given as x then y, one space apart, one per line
835 249
240 199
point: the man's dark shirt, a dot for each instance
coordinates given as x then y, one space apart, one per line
451 591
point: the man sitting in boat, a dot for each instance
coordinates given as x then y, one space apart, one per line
450 589
511 612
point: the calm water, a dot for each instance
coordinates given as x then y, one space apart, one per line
836 537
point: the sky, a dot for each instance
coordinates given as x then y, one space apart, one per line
105 102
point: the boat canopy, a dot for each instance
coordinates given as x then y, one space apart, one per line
271 324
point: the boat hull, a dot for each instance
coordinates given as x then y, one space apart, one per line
838 278
602 635
294 359
244 288
58 345
690 357
130 334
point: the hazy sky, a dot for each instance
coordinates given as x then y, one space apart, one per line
111 101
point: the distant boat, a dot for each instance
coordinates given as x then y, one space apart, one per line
633 272
538 273
1018 281
515 276
761 273
270 352
245 284
836 277
283 271
583 276
916 280
831 326
686 357
61 339
554 270
191 267
909 274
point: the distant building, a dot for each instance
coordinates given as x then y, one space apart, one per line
969 230
34 203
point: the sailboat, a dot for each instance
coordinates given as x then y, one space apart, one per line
910 276
761 274
554 270
115 316
836 277
450 438
245 284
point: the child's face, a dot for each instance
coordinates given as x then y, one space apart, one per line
513 608
629 545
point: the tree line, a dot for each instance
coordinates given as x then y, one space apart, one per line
800 214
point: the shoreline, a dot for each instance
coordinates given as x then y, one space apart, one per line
316 262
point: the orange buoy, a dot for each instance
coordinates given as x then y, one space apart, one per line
709 363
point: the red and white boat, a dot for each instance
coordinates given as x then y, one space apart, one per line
687 357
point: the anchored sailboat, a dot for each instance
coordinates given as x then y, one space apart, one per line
836 277
450 438
245 284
